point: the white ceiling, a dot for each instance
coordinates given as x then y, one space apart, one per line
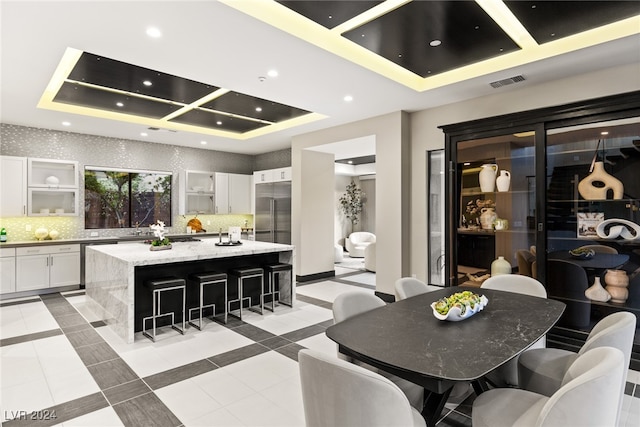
213 43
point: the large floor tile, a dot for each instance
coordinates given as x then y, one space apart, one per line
287 395
218 418
187 401
263 413
328 290
23 319
320 342
223 387
27 396
264 370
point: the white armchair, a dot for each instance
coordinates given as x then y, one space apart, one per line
357 242
370 257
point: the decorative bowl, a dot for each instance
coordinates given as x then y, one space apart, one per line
52 180
455 314
582 253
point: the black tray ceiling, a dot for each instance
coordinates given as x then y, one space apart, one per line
468 34
330 13
403 35
550 20
110 85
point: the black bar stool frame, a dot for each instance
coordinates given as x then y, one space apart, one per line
205 279
157 287
272 271
241 274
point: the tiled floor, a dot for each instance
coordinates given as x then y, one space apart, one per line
59 360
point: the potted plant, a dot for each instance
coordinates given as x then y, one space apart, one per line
351 203
161 242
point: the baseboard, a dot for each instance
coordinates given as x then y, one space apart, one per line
315 276
386 297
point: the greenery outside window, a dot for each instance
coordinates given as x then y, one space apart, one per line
126 198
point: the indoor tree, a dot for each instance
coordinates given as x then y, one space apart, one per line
351 203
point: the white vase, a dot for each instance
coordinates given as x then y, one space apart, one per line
589 191
503 181
487 177
487 217
596 292
500 266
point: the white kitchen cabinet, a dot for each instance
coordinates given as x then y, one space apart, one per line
260 177
50 173
53 202
7 270
13 186
272 175
232 193
281 174
196 193
40 267
52 187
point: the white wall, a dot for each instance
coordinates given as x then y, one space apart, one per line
425 134
313 210
392 213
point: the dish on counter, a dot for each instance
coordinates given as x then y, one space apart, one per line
228 243
582 253
459 306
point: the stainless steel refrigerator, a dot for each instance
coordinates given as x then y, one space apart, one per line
273 212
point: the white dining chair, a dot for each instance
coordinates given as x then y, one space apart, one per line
507 374
589 395
349 304
407 287
339 393
542 370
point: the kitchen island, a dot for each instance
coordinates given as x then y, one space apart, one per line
115 275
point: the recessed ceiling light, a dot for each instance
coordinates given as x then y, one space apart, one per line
272 73
143 134
147 83
258 109
435 43
154 32
218 122
119 104
348 98
66 123
604 133
203 142
466 164
350 162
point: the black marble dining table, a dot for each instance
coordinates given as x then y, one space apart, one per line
405 339
599 261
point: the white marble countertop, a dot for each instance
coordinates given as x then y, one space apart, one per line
139 254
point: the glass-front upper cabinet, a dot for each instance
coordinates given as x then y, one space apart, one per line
495 209
593 219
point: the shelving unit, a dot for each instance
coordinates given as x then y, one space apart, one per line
197 193
52 187
543 201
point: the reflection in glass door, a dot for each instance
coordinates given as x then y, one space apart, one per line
435 226
496 206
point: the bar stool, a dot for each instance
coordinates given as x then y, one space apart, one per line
273 286
242 274
207 279
157 286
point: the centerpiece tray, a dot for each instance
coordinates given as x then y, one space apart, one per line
228 243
